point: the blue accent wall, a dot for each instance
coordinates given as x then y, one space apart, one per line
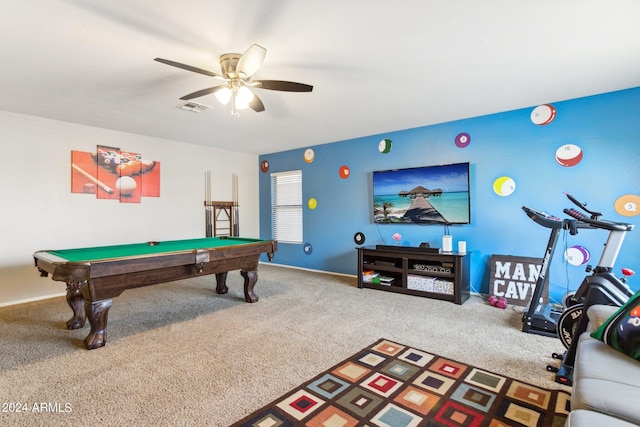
606 128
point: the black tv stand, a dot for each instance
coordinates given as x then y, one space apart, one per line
415 271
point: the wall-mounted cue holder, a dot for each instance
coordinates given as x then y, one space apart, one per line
221 217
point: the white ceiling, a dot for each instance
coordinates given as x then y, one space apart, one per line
376 66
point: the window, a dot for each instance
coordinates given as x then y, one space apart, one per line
286 206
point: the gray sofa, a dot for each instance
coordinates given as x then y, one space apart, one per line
606 382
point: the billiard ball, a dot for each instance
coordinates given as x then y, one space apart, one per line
628 339
126 185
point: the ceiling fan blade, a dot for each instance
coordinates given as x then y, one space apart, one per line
189 68
202 92
256 104
282 85
251 61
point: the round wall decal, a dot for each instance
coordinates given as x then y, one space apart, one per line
344 172
309 155
569 155
359 238
385 146
543 114
264 166
627 205
462 140
312 203
504 186
307 248
577 255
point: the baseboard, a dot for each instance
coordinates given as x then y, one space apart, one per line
333 273
26 300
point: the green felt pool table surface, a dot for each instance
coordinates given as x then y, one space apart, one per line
142 249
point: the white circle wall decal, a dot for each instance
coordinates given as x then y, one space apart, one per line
577 255
385 146
543 114
569 155
504 186
309 155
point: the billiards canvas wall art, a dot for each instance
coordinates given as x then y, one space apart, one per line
111 173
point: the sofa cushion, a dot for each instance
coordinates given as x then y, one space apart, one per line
622 329
605 380
584 418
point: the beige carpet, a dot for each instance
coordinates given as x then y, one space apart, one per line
179 354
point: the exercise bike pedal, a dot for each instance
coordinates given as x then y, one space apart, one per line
551 368
557 356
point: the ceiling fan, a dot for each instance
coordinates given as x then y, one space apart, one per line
236 73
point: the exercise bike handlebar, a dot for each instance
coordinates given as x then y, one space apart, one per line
583 206
542 218
598 223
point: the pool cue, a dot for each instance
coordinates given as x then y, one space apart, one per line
234 209
91 178
208 209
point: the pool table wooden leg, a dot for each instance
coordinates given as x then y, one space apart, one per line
221 283
98 313
76 302
250 279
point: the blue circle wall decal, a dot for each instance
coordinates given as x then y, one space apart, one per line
307 248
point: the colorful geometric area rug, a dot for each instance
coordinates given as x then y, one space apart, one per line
392 385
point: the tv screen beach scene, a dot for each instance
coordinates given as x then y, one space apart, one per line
423 195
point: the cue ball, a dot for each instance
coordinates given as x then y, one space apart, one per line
126 185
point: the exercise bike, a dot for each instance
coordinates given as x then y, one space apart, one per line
540 318
601 287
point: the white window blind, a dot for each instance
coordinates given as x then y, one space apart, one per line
286 206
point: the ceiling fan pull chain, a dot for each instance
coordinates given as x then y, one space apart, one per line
234 111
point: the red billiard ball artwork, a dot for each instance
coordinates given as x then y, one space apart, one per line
111 173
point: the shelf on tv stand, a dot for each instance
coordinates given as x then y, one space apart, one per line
416 271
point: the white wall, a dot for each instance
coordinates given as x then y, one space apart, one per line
38 210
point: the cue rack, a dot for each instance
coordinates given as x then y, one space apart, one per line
221 218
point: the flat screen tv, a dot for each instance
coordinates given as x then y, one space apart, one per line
422 195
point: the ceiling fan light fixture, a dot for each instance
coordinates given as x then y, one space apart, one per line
237 71
243 97
224 95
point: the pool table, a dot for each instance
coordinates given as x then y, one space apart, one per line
96 275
